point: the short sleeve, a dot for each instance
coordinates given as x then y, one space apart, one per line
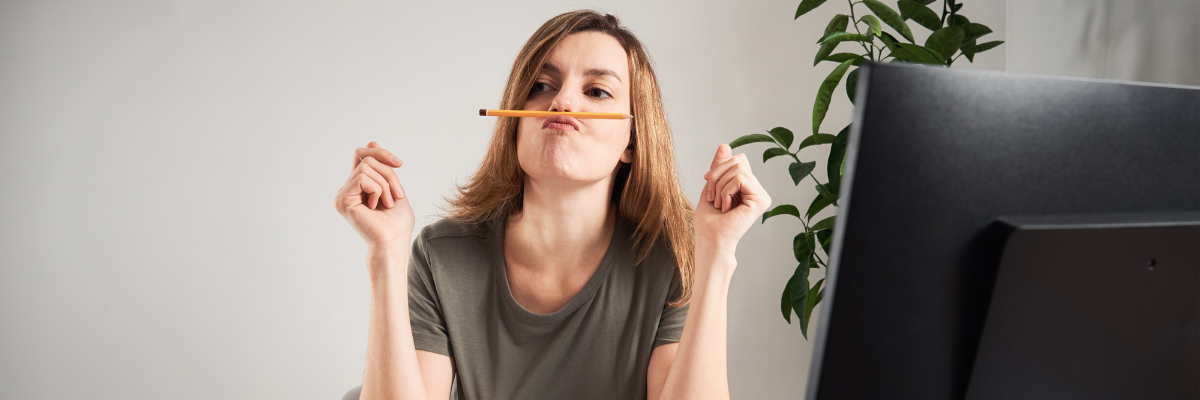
424 308
670 326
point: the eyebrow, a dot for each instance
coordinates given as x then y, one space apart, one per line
590 72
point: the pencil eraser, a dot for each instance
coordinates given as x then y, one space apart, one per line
482 112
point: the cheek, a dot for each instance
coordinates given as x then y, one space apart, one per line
614 139
537 103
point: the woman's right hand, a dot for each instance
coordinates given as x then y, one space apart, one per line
373 202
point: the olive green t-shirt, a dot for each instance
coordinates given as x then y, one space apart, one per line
597 346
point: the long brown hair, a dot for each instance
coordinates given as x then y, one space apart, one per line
647 190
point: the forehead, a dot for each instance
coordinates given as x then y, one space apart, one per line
582 51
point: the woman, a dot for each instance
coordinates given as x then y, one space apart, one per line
571 260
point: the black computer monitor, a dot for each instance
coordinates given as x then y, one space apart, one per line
936 157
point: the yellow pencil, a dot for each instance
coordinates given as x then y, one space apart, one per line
522 113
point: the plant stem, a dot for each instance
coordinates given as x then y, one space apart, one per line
944 7
854 21
794 157
835 204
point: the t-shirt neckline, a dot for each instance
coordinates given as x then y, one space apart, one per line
620 235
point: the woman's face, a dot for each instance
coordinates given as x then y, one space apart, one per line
587 72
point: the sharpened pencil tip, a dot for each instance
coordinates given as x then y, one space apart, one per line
482 112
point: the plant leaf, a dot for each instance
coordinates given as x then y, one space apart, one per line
811 300
888 40
823 191
968 49
802 247
782 135
916 53
945 41
800 170
843 57
972 31
823 238
813 140
798 286
956 7
838 23
872 24
971 49
786 302
851 84
836 153
823 52
825 94
819 204
751 138
979 48
889 17
826 223
958 20
806 6
926 2
838 37
920 14
781 210
774 152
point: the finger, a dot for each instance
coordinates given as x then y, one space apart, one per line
731 192
723 152
393 183
349 195
368 169
396 190
369 187
754 194
727 171
380 154
719 170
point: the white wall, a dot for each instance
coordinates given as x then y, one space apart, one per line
1147 40
168 171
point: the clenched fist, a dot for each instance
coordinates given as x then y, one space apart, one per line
373 202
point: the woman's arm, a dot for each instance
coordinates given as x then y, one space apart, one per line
374 204
395 368
732 200
697 368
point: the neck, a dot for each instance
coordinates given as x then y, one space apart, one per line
558 227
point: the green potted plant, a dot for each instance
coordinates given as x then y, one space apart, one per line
953 36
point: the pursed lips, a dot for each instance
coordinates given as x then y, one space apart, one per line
562 122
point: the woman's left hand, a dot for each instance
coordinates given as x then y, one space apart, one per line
731 202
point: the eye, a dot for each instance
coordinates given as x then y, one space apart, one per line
539 87
598 93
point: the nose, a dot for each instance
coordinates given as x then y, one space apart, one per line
563 102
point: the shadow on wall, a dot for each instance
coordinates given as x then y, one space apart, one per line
1147 41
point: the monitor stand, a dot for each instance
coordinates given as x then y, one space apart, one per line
1093 307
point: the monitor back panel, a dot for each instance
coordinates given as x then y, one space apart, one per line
934 157
1092 312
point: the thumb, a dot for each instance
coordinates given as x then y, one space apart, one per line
723 152
372 145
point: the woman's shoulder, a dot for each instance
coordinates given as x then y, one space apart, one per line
452 242
449 228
